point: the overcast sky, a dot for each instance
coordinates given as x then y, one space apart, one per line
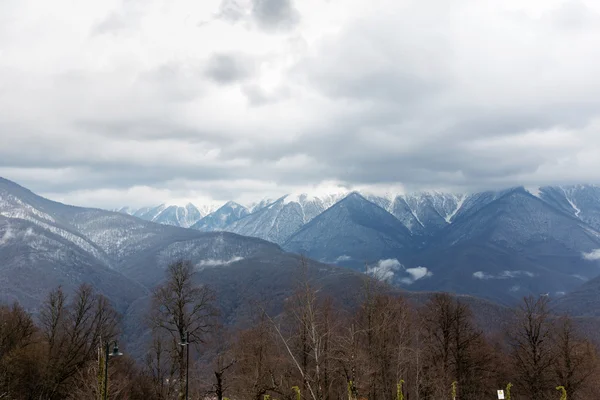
135 102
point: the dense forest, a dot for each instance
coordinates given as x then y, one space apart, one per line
386 348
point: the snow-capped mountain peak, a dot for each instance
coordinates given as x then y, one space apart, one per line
171 213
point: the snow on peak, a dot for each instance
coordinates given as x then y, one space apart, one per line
297 198
533 190
459 204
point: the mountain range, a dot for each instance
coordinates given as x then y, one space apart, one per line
495 244
498 245
44 244
423 213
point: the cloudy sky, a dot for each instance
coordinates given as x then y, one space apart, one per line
131 102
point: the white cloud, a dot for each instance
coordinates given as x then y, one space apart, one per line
418 273
343 258
592 256
390 263
389 269
482 275
214 262
288 100
503 275
385 269
415 274
514 274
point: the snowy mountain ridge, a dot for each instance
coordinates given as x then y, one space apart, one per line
424 213
171 214
548 241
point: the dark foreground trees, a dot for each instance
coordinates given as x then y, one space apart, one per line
181 310
45 361
548 352
383 348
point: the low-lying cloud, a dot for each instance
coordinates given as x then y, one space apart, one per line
342 258
385 270
391 269
592 256
215 262
416 274
503 275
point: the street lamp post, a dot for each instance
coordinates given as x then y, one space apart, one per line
114 353
185 342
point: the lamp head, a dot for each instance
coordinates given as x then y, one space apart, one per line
115 351
185 340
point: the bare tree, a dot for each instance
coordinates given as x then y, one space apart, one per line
160 369
181 307
73 333
454 349
17 332
86 381
377 346
575 359
261 366
306 335
532 351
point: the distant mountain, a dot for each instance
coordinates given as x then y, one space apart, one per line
40 248
515 245
221 218
352 232
495 244
277 221
179 216
126 210
581 201
44 244
424 213
173 215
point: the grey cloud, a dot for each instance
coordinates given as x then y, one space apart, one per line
411 97
111 24
271 16
123 20
257 96
231 10
229 68
275 15
575 15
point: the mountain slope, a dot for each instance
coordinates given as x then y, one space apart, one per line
168 215
352 232
179 216
44 243
277 221
40 249
580 201
221 218
515 245
583 301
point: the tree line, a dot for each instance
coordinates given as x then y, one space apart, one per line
385 348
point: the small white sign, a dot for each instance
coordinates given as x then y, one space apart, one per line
500 394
